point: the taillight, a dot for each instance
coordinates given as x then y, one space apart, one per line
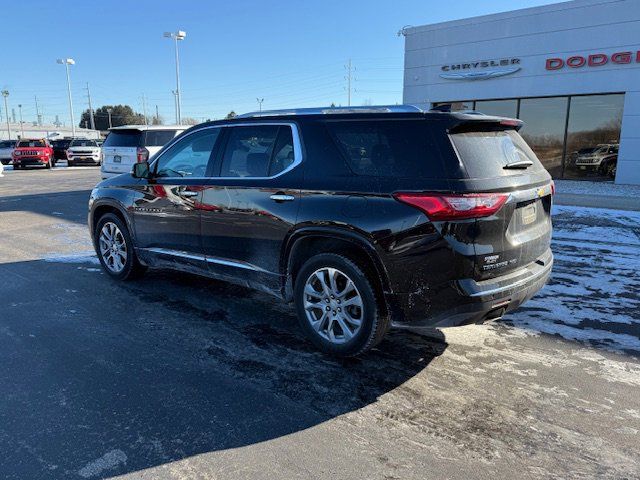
553 187
454 207
142 154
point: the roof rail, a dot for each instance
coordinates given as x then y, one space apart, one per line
335 110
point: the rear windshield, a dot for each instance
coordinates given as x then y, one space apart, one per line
123 138
31 143
389 148
484 154
7 144
84 143
158 138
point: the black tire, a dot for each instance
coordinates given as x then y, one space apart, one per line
16 166
69 163
132 266
48 165
374 323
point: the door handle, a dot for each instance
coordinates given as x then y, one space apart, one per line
188 193
281 197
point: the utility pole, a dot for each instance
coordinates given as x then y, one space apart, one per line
5 94
157 116
21 126
175 97
177 37
260 100
109 112
66 62
93 122
38 115
144 109
349 78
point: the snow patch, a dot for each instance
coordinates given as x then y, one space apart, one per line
108 461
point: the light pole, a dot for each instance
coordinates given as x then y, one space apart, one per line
21 126
66 62
175 101
109 112
5 94
177 36
260 100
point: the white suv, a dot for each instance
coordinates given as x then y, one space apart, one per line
6 148
129 144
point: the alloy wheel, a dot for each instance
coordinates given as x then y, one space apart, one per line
333 305
113 247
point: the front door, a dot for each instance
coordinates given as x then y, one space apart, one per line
250 205
166 212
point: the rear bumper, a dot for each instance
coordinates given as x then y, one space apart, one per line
475 302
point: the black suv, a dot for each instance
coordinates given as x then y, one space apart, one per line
366 218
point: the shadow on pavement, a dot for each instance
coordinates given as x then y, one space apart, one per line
70 206
104 378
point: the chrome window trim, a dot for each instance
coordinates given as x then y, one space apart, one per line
204 258
297 148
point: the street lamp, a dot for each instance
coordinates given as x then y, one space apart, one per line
66 62
177 36
5 94
260 100
21 126
109 110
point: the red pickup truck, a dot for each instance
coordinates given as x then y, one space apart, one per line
33 152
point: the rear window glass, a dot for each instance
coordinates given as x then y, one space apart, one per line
158 138
484 154
397 148
84 143
6 144
123 138
32 143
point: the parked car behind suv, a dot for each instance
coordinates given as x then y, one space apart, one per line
129 144
35 152
60 148
6 149
363 217
83 151
599 159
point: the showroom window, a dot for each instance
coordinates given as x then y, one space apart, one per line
544 123
574 136
593 136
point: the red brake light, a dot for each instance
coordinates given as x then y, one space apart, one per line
510 123
454 207
142 154
553 187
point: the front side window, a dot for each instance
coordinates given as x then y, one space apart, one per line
249 151
189 156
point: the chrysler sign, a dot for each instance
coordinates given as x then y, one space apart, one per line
480 70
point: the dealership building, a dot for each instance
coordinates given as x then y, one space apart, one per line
570 71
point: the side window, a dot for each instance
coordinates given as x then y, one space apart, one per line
283 154
248 152
188 157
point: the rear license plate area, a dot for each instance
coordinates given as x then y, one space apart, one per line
117 159
529 213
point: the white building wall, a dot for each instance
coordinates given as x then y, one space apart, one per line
533 35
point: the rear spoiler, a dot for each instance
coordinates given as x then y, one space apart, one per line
483 123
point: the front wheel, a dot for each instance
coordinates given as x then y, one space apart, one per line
115 248
337 306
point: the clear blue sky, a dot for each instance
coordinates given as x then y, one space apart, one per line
291 53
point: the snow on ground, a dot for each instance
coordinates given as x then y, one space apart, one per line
583 187
594 293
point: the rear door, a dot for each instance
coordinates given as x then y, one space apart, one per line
519 233
250 204
120 150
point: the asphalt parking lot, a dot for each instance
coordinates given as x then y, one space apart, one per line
175 376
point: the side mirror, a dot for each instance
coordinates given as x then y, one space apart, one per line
140 170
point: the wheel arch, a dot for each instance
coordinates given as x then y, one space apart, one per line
308 241
104 206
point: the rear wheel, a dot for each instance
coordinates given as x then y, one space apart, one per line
69 163
115 248
337 306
